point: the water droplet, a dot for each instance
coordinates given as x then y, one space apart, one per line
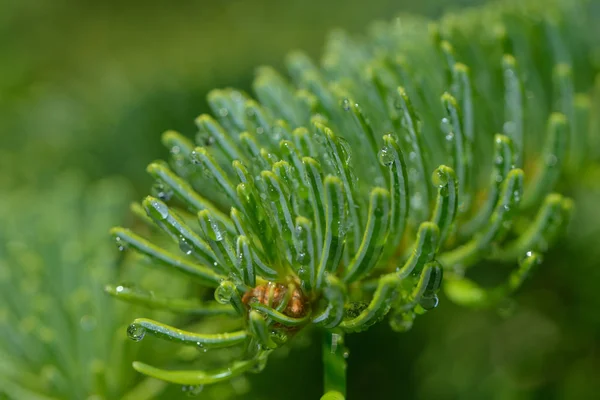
551 160
205 139
354 309
346 354
439 178
277 133
185 246
223 112
224 292
509 127
158 210
402 322
287 148
345 150
517 196
237 96
320 139
386 156
346 104
303 258
416 201
88 323
201 347
215 232
279 337
121 245
531 254
260 365
136 332
429 303
435 281
162 191
195 158
192 390
507 308
446 127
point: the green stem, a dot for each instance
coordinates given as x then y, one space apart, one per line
334 364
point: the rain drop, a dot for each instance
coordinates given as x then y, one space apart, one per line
224 292
205 139
136 332
517 196
386 156
279 337
402 322
195 158
185 246
192 390
214 231
121 245
162 191
88 323
434 282
509 127
158 210
429 303
416 201
439 178
302 258
506 308
446 127
345 150
346 104
260 365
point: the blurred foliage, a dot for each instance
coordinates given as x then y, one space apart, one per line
88 81
91 86
61 336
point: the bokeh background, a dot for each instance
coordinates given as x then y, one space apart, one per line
87 88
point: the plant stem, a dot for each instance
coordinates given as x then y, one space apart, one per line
334 365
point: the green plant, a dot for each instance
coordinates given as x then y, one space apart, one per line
315 204
61 337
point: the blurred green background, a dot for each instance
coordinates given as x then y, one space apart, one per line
87 88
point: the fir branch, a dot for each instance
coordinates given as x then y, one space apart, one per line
314 200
